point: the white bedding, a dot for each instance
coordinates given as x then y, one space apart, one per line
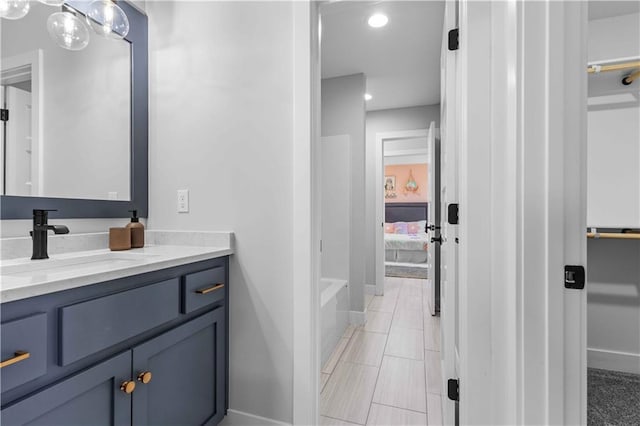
406 241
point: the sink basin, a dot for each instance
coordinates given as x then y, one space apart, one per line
75 263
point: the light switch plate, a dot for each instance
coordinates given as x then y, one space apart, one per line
183 201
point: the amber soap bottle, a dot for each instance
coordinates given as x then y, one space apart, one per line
137 230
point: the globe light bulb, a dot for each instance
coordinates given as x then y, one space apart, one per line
14 9
107 19
68 30
52 2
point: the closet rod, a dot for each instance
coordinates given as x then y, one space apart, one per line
613 67
613 235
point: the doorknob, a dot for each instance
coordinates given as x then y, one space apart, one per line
436 239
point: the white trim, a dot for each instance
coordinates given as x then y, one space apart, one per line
240 418
370 289
613 360
305 236
357 317
378 228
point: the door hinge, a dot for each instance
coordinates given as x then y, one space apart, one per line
574 277
4 114
452 214
454 39
453 389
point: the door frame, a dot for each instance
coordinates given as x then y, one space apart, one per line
381 138
34 60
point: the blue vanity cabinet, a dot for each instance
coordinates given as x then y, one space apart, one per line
91 397
185 369
85 343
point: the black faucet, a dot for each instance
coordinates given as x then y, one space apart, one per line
40 231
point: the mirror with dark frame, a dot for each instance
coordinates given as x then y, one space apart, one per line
74 123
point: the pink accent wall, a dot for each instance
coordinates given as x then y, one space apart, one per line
401 173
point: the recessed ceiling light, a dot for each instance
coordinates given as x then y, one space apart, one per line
378 20
367 97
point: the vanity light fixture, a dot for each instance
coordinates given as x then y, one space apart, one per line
14 9
107 19
367 97
378 20
66 29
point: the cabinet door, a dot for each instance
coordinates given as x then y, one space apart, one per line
187 381
92 397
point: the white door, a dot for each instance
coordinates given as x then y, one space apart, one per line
449 195
433 219
18 142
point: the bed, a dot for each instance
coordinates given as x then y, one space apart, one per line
405 238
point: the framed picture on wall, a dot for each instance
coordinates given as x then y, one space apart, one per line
389 187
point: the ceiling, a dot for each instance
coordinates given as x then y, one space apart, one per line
401 61
606 9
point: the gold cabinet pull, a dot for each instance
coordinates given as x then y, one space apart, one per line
210 289
128 386
145 377
18 356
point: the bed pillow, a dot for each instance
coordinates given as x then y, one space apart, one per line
414 228
389 228
401 228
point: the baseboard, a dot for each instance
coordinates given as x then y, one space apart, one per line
357 317
612 360
369 289
239 418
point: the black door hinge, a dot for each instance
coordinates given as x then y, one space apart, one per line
4 114
574 277
453 389
454 39
452 214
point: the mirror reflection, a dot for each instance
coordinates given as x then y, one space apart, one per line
66 128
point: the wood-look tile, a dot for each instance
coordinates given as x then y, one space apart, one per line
401 384
383 415
384 303
347 395
335 356
365 348
433 370
367 299
349 331
328 421
432 337
410 302
408 318
434 409
405 343
324 378
378 322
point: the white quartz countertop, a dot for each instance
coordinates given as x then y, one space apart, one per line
23 278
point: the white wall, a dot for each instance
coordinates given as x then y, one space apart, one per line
336 207
382 121
343 113
613 308
86 132
221 125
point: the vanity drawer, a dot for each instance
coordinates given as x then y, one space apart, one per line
203 288
23 350
88 327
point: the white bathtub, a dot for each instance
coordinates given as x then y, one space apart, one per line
334 314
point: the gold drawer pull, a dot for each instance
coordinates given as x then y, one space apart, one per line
128 386
145 377
19 356
210 289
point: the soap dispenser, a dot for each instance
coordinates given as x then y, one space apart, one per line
137 230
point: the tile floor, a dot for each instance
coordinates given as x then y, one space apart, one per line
387 372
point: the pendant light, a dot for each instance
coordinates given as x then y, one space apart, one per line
68 30
14 9
107 19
